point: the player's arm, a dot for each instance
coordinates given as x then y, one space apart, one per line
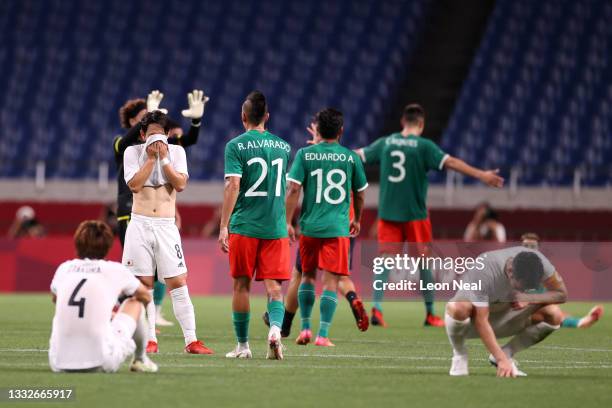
485 331
176 177
292 199
358 203
556 292
135 176
371 153
130 138
142 294
488 177
197 102
230 196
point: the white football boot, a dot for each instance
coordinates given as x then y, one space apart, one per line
240 352
275 347
459 365
146 365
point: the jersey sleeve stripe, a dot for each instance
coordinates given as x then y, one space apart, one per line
363 188
233 175
444 158
361 154
294 180
117 144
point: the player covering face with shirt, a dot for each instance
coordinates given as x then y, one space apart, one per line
155 171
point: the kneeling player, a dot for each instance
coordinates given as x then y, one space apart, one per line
84 338
504 306
154 171
328 172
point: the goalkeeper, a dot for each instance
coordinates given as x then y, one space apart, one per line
129 117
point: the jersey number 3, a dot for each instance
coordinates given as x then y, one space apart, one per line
81 302
399 165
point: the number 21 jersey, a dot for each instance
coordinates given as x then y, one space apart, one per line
260 160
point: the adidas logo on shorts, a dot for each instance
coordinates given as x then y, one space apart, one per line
181 265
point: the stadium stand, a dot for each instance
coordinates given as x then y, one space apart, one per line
67 66
539 94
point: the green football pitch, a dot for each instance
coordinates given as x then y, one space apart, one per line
403 365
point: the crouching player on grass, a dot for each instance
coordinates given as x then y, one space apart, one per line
506 304
328 173
83 337
155 171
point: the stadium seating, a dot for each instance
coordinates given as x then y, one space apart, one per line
539 93
67 66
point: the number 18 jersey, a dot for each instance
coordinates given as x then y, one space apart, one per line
260 160
328 172
404 163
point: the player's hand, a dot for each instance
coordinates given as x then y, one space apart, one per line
197 101
224 239
153 100
162 148
491 178
152 151
516 305
505 368
313 132
291 233
355 228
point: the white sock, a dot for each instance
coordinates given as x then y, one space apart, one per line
158 309
243 346
456 329
528 337
151 318
140 336
183 310
275 331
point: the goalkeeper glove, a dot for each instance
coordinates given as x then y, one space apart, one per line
153 100
197 101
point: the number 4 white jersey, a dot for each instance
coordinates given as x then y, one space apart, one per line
86 292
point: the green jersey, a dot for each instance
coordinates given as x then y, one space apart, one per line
328 173
260 160
404 163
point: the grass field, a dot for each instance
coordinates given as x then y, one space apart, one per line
402 365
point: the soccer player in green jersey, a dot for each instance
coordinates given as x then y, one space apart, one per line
404 159
252 228
328 173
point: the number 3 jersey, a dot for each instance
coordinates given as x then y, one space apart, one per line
328 173
260 160
404 163
86 292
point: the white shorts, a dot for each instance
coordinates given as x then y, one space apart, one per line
508 322
117 346
153 244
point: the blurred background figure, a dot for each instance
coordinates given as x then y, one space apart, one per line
25 224
485 226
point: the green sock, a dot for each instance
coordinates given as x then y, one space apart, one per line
329 301
159 291
306 299
276 311
379 294
428 295
241 325
570 321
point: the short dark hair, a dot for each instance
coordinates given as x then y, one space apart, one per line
329 123
93 239
527 269
155 117
130 110
255 107
413 114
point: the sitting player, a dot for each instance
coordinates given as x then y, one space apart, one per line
83 337
252 227
532 240
505 306
154 171
328 172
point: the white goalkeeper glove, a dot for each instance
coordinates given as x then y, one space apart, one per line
153 100
197 100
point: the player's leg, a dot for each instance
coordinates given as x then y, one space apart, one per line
276 311
347 288
309 254
584 322
159 292
457 321
242 258
419 234
327 308
543 323
152 345
135 310
291 299
390 242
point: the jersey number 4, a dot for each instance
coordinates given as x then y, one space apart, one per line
81 302
252 191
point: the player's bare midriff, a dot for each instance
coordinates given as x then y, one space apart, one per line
155 202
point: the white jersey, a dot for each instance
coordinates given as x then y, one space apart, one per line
86 292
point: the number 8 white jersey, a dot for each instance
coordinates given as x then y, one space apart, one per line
86 292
